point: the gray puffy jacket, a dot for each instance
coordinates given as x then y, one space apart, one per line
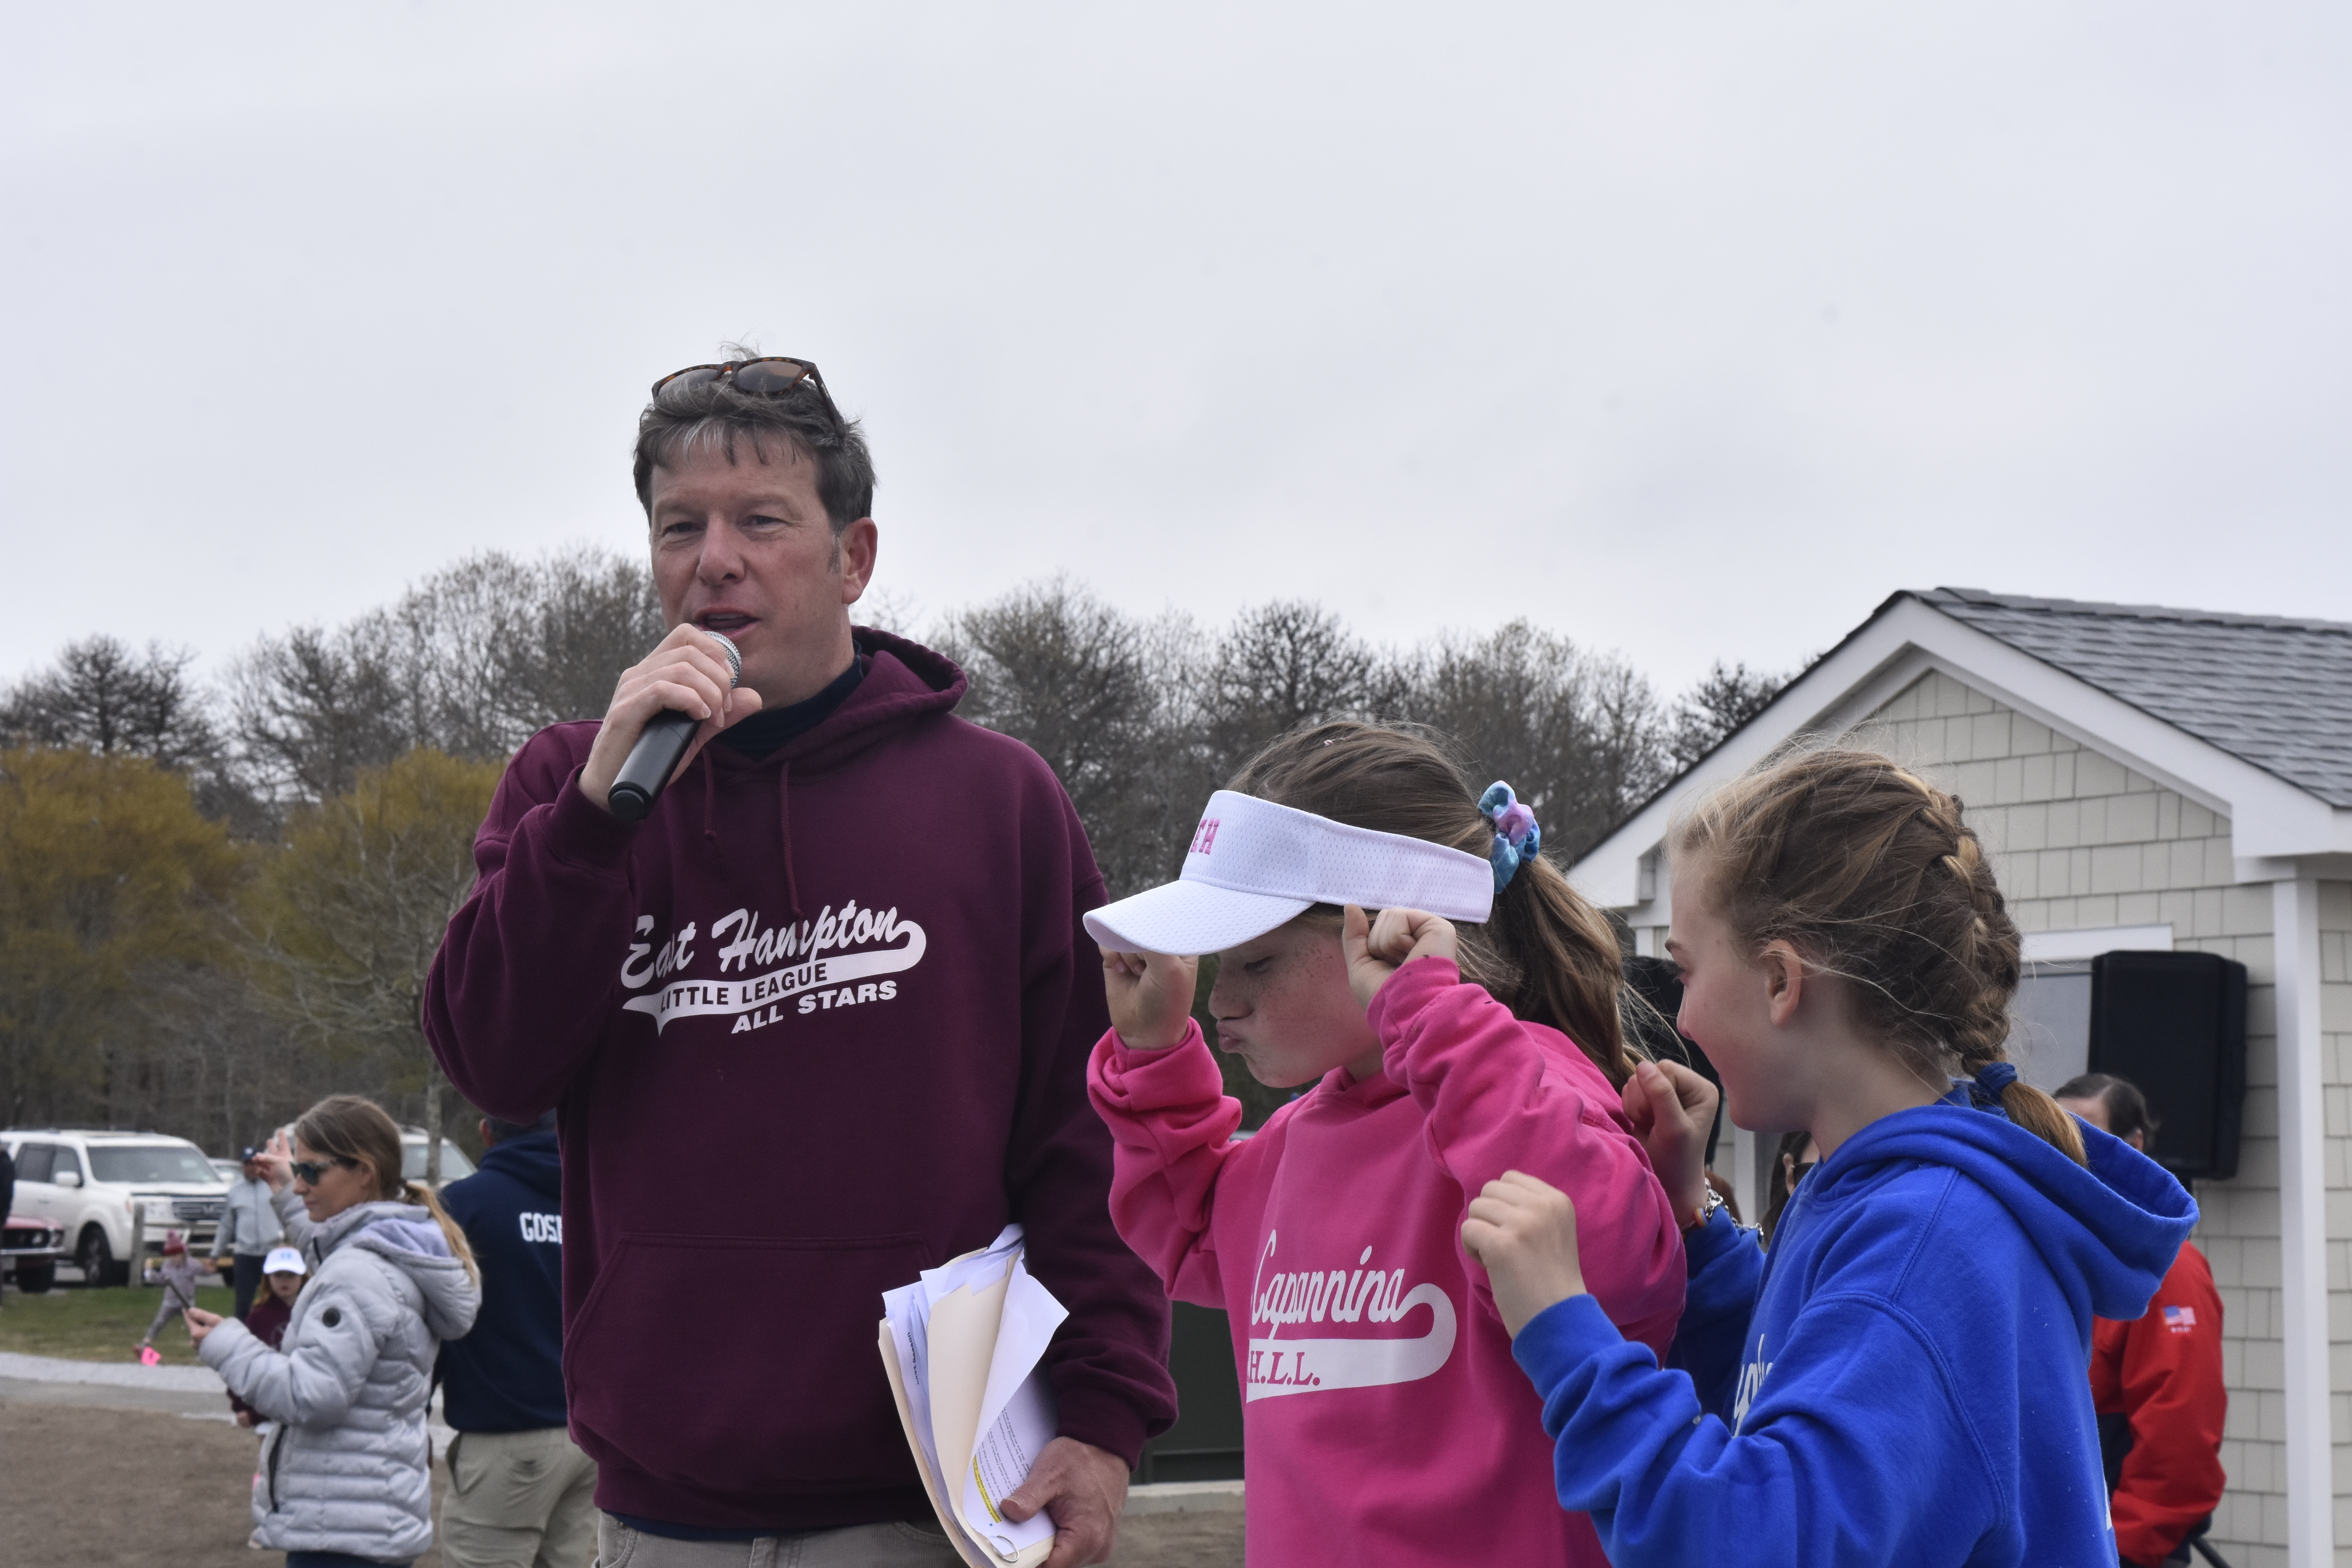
349 1468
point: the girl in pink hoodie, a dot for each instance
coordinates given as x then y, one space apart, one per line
1384 1420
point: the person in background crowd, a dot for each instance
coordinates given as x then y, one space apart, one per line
520 1491
2156 1380
283 1272
346 1479
180 1272
248 1229
1797 1155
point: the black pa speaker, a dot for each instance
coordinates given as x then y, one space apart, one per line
2174 1025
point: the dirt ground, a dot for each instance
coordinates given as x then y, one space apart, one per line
94 1486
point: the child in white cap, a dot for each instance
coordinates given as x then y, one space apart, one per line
283 1274
1470 1029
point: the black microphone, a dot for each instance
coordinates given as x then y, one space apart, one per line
655 756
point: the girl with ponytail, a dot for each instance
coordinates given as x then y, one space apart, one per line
1471 1028
1903 1382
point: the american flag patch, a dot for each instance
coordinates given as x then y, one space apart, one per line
2180 1320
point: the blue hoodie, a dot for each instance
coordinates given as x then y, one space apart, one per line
1903 1381
508 1375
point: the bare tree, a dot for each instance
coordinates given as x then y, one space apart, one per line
100 697
350 913
450 641
470 661
1103 698
1575 734
313 708
1286 664
585 616
1727 696
1064 672
1142 720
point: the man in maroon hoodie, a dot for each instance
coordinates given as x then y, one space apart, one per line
819 1021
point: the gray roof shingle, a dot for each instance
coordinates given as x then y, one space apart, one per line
2275 692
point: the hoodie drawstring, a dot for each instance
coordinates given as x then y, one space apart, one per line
785 821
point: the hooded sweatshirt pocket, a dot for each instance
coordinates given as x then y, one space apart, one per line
745 1364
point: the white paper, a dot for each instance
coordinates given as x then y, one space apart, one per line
972 1271
908 1315
1016 1415
971 1555
967 1337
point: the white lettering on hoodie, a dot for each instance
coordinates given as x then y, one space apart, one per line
757 1000
1365 1294
1751 1383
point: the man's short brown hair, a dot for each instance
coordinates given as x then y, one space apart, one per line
714 414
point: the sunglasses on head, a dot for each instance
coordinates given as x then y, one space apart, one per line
772 376
309 1172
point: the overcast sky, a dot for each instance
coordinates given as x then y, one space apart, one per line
1686 331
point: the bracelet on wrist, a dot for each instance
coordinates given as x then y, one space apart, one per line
1703 1211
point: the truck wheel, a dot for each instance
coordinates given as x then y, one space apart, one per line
35 1279
97 1260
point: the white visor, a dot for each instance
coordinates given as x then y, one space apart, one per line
284 1260
1253 864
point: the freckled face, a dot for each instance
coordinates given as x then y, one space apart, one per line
1727 1009
1283 1005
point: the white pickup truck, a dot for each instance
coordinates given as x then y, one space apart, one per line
114 1193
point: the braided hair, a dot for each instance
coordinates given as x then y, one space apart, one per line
1872 874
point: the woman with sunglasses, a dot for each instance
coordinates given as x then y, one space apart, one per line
345 1482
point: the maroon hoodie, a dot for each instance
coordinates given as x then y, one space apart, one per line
818 1023
266 1321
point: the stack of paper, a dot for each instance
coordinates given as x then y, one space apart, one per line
961 1345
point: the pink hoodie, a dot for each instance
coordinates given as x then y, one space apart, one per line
1384 1421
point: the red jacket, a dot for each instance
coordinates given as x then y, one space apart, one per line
2163 1371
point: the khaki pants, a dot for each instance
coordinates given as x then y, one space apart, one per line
859 1546
518 1500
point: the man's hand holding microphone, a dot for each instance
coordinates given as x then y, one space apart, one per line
691 674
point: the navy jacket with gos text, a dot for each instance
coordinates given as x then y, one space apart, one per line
507 1375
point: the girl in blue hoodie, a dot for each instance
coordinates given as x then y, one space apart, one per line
1902 1382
